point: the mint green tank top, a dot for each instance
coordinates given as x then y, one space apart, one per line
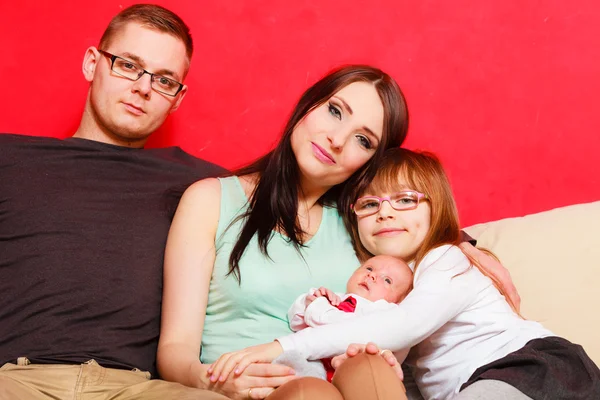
255 312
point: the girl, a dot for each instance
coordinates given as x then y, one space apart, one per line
459 325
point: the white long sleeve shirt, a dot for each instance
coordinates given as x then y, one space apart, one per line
320 312
454 319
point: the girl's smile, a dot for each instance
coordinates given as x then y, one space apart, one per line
389 232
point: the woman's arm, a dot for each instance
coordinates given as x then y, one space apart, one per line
189 261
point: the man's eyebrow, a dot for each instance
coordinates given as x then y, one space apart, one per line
142 63
349 109
135 58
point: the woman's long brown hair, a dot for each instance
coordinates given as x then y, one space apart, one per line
274 202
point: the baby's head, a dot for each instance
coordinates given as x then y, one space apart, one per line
381 278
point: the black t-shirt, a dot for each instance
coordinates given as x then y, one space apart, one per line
83 227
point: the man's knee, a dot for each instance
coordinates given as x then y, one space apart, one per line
307 388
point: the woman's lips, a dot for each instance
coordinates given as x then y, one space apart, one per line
322 154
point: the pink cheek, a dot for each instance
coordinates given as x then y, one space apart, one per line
300 127
352 159
309 123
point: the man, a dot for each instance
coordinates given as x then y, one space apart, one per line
84 221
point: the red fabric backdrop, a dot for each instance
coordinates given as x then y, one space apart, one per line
504 91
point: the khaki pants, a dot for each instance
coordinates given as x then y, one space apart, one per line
364 377
89 381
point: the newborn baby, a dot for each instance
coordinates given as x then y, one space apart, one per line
379 284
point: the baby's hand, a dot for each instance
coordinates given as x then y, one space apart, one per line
333 298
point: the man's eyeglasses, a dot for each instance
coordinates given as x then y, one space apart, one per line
130 70
405 200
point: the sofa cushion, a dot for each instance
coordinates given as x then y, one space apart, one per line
554 260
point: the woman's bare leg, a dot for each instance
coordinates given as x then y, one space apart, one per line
306 389
368 377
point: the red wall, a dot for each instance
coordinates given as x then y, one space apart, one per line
504 91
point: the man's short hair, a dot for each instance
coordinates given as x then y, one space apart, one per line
150 16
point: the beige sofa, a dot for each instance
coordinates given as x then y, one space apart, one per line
554 260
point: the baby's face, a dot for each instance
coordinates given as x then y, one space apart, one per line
381 278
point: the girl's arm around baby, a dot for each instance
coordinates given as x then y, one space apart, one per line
443 287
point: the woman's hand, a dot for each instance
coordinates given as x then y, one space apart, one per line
369 348
220 370
256 382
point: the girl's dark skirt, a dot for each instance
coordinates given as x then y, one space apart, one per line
551 368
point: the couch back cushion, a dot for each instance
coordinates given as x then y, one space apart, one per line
554 260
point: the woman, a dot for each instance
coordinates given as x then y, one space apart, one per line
241 248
